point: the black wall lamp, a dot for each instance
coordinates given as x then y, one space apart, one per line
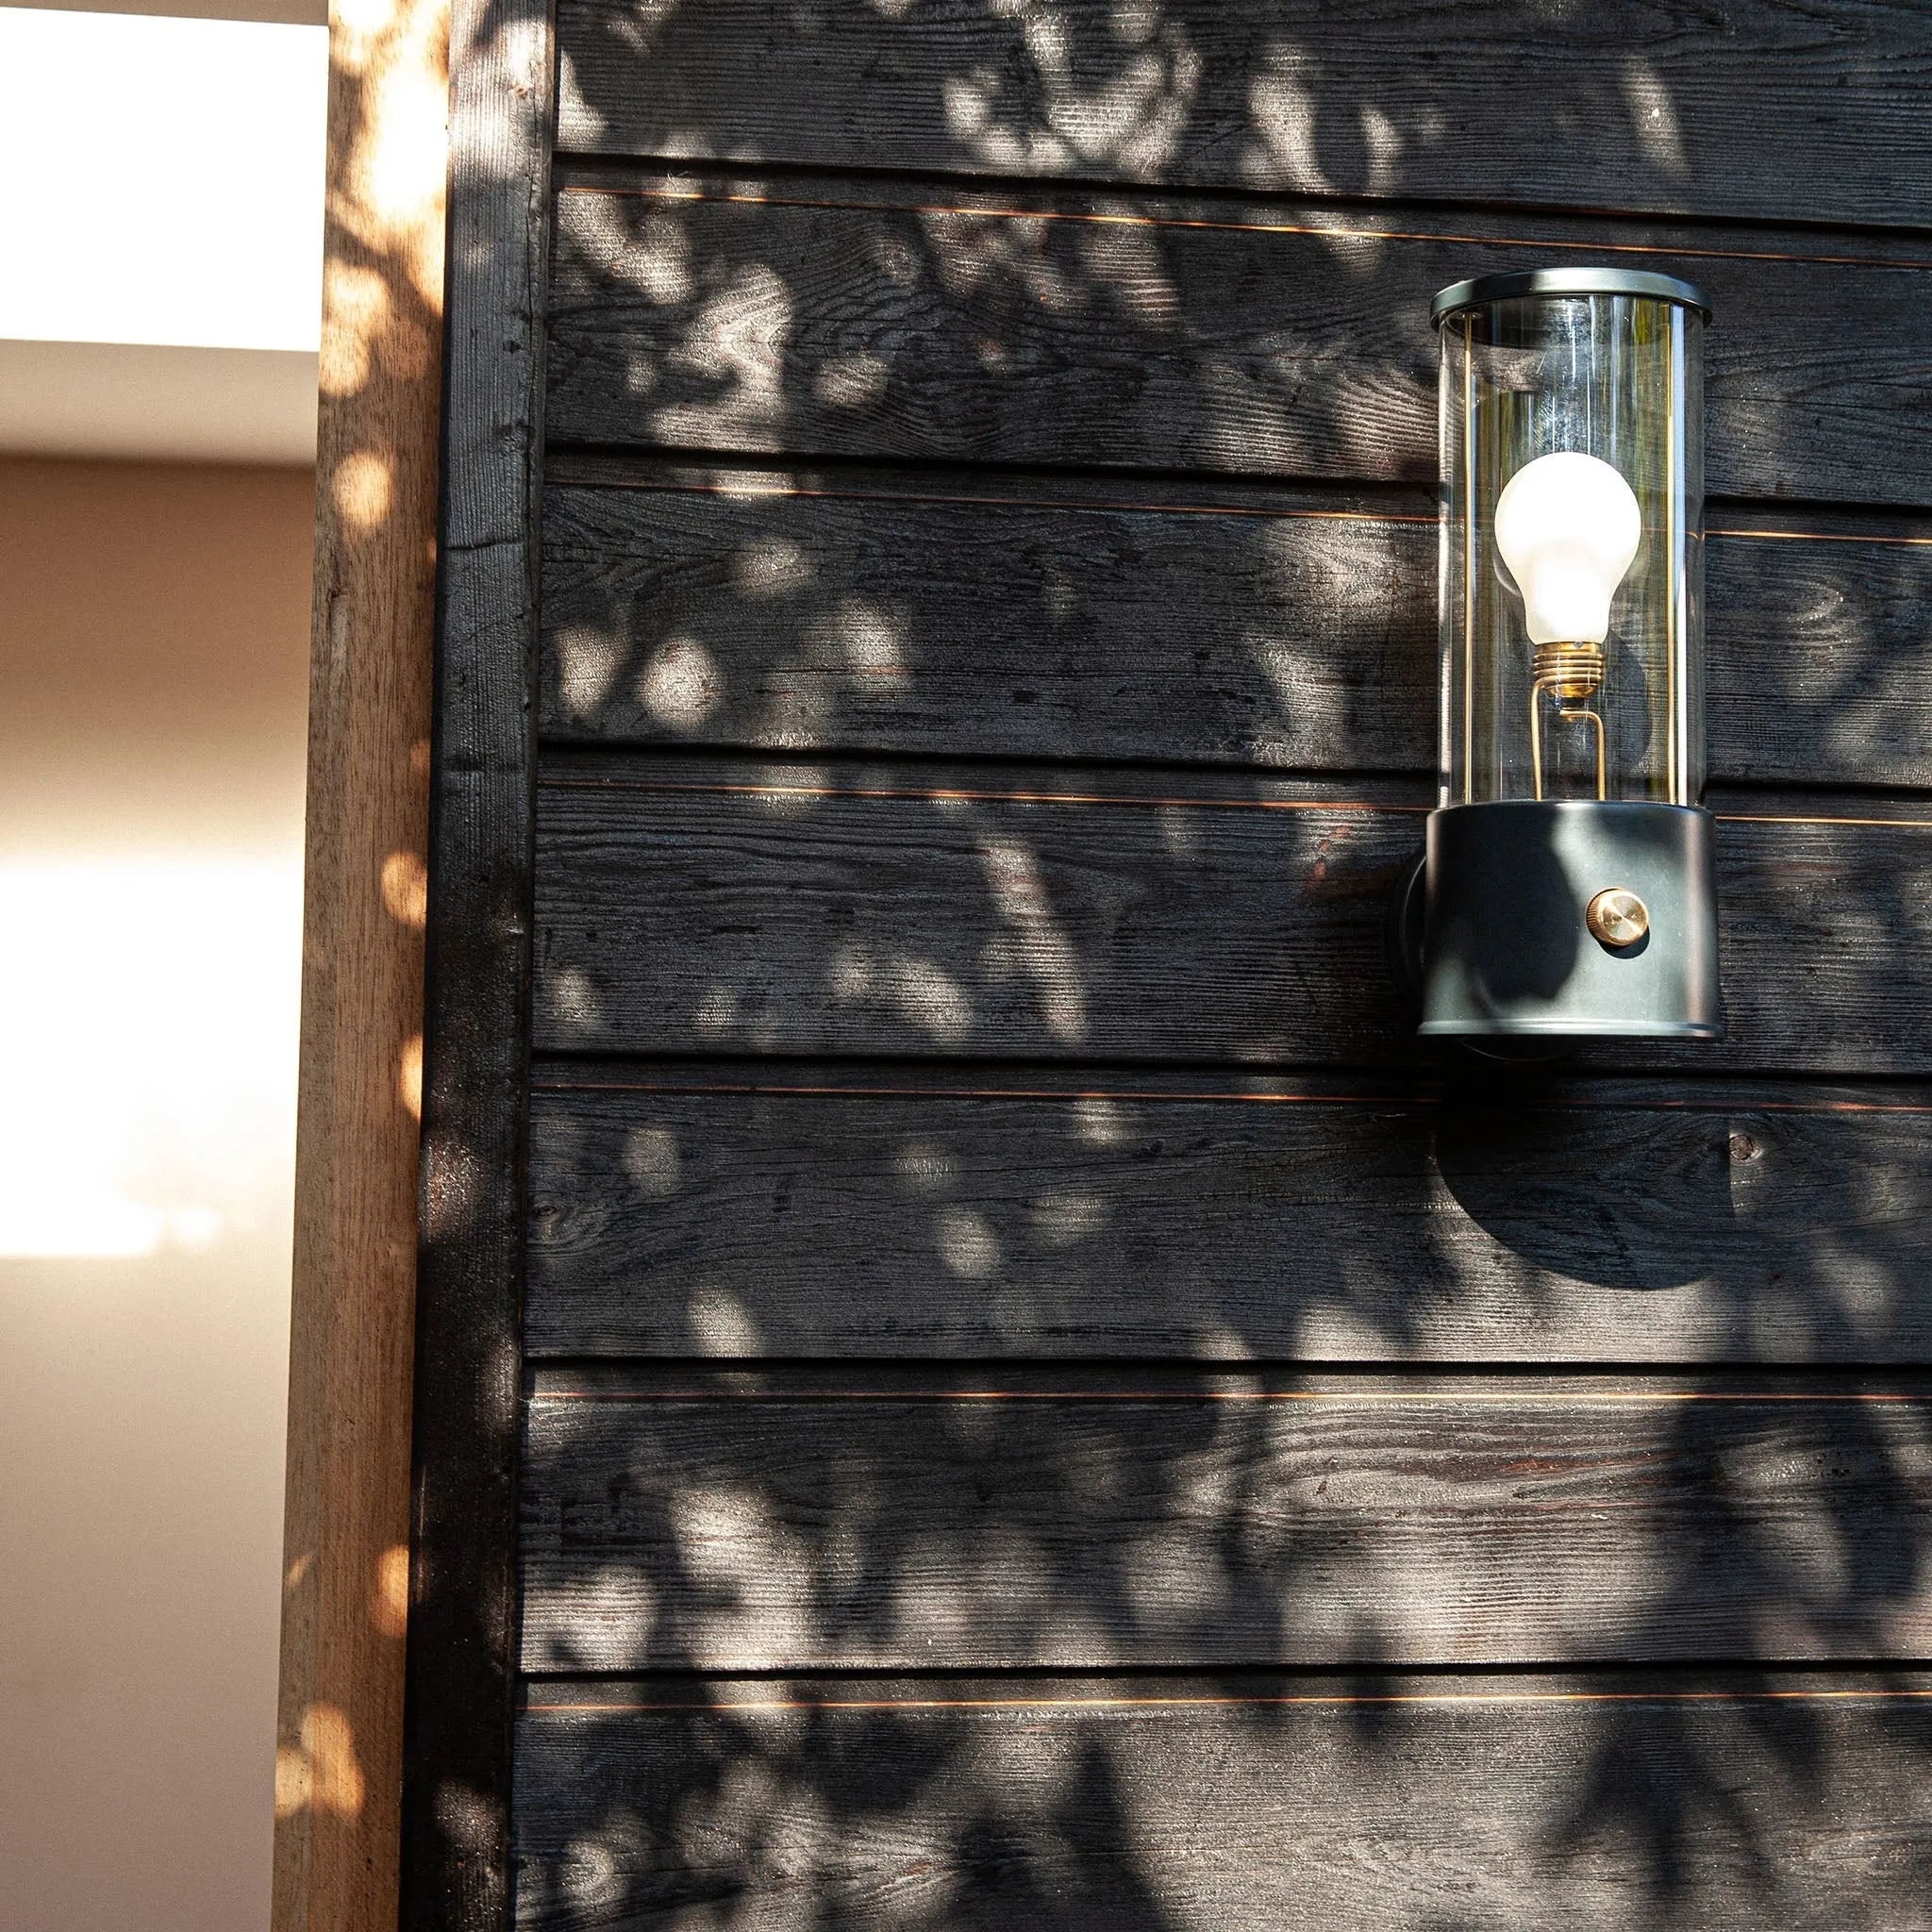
1567 886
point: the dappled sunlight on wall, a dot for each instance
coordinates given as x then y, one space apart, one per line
988 692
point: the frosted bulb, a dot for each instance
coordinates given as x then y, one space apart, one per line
1567 526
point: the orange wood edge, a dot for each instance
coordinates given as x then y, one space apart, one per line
339 1757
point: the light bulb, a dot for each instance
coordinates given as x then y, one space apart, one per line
1567 526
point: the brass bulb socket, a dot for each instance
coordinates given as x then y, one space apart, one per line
1571 670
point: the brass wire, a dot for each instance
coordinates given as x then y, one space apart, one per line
1570 673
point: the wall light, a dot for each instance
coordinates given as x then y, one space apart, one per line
1567 887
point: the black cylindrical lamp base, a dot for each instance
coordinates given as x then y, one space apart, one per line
1574 918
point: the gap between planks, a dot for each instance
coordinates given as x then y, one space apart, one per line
989 795
589 167
1507 1393
725 1707
1324 230
1742 1103
750 490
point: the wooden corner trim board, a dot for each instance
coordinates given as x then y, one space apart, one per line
461 1674
345 1587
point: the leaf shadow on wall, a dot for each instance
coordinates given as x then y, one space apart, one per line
786 592
1215 1524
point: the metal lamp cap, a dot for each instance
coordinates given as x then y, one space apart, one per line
1552 282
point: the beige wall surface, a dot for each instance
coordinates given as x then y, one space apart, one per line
152 692
291 12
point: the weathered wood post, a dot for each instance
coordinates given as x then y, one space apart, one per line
338 1761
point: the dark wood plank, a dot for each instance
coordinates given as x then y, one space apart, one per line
860 319
1815 645
828 1212
1112 915
806 1520
455 1846
1634 107
877 612
1398 1804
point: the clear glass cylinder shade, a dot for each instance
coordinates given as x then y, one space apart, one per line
1618 378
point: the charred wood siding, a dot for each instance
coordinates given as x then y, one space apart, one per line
1649 108
932 1207
985 913
1080 332
1076 1520
841 1211
1290 627
1500 1801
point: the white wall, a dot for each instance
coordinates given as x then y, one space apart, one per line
153 694
160 231
161 195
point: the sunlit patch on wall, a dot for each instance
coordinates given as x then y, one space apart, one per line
967 1243
651 1160
405 889
365 487
734 348
147 1022
588 664
850 382
410 1075
389 1600
772 567
320 1772
682 685
721 1325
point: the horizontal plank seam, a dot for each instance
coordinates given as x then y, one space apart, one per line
571 754
1763 818
739 1089
1321 230
588 464
930 1678
568 748
1736 1100
934 1677
566 455
1815 537
974 795
1182 1377
1184 1703
562 1086
967 795
752 492
627 163
1385 1397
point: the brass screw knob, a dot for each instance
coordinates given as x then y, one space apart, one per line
1617 919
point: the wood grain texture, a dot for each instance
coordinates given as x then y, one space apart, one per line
978 912
1634 105
881 612
809 1520
833 1212
456 1867
1392 1805
826 317
340 1725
